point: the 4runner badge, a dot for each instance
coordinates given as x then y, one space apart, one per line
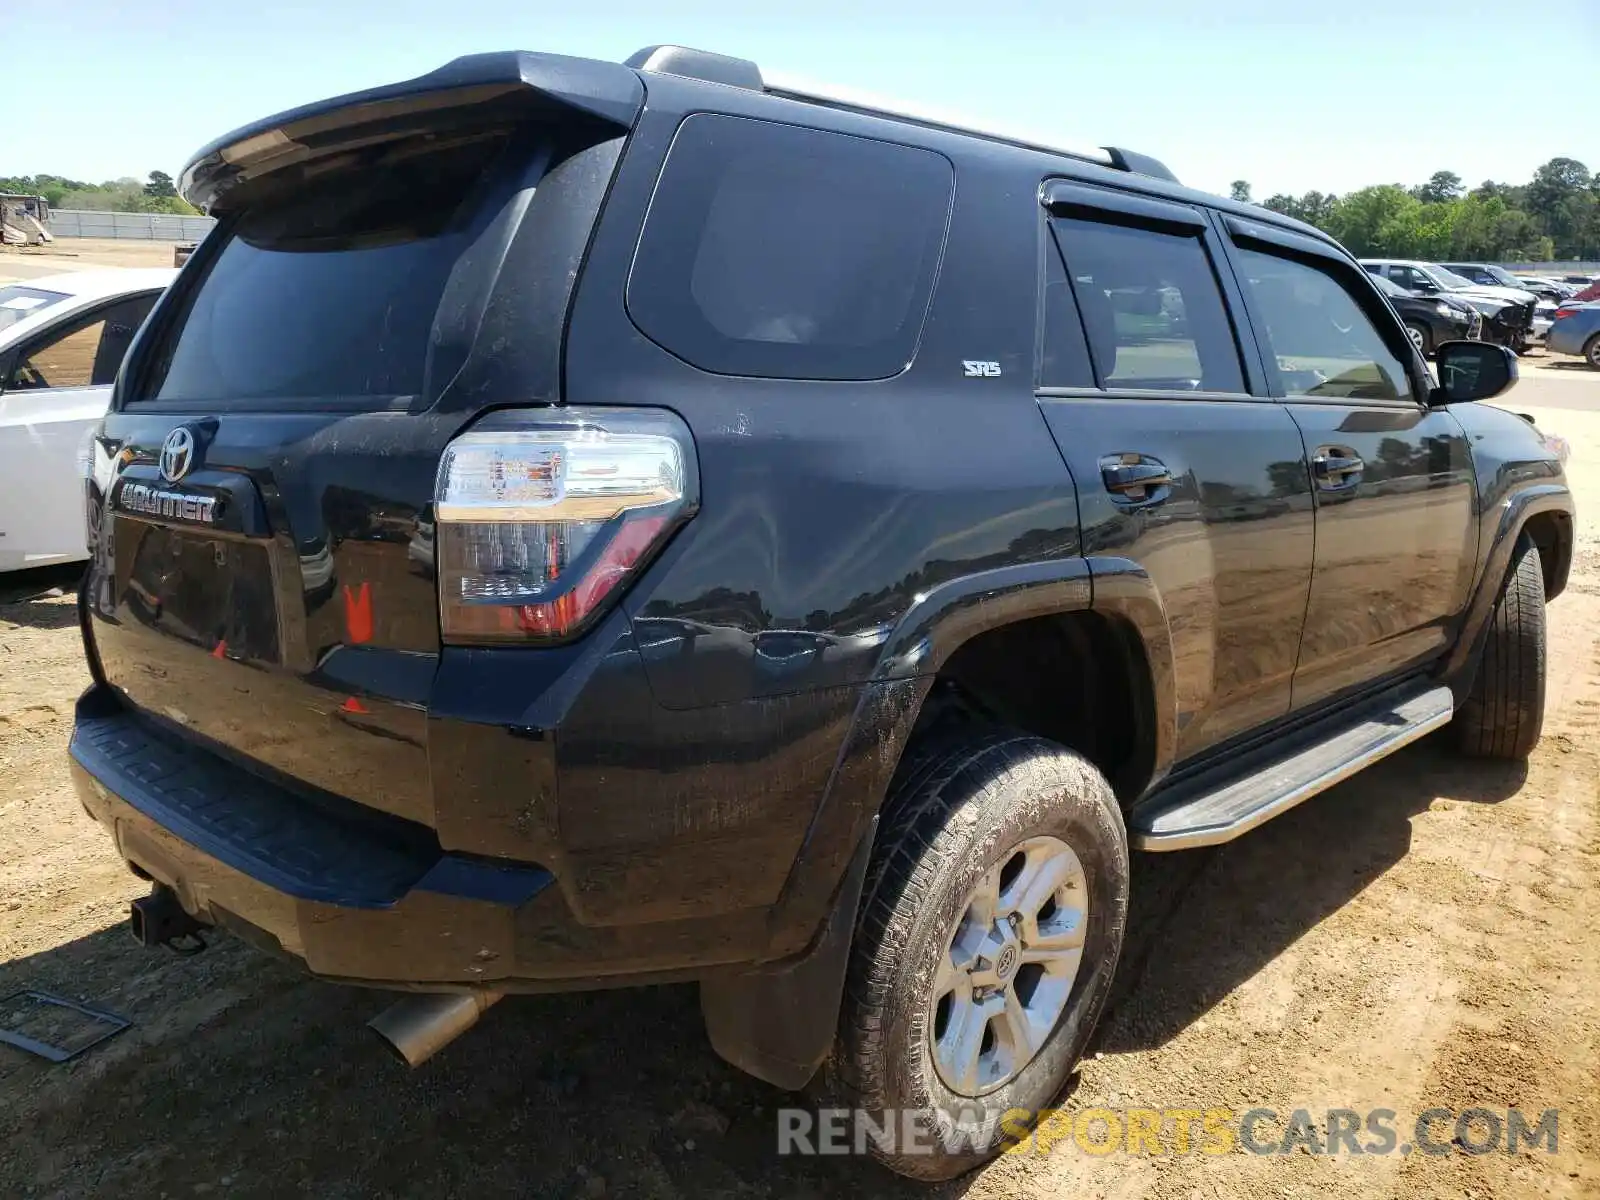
980 370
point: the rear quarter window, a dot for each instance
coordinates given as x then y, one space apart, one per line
777 251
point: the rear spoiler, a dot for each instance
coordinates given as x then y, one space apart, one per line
510 82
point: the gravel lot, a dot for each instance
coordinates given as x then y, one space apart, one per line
1421 936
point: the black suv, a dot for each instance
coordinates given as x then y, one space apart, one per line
579 523
1431 320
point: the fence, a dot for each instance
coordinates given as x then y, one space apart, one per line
150 227
1557 269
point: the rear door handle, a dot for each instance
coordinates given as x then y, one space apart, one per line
1135 480
1336 468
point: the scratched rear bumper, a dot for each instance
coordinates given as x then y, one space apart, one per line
356 895
360 895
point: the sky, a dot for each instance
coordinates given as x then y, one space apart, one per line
1286 94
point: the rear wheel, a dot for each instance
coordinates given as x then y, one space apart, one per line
1504 714
990 929
1420 337
1591 352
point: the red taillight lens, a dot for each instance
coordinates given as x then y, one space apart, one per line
1565 312
541 516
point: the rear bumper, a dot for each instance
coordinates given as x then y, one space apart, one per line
1564 338
357 896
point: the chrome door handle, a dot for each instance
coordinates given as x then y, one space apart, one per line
1135 480
1336 467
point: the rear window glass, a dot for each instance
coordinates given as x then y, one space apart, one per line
777 251
17 304
329 291
1152 308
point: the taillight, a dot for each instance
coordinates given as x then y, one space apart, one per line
1565 312
543 516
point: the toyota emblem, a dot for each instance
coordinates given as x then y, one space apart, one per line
177 454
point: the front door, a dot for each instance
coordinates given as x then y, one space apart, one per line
1393 479
56 390
1183 462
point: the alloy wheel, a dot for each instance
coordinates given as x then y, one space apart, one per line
1009 967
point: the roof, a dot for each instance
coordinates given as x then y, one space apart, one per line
614 93
106 281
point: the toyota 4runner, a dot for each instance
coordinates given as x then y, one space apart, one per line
578 523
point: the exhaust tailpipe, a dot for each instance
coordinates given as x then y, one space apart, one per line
418 1027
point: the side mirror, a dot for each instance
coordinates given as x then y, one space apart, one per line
1427 287
1472 371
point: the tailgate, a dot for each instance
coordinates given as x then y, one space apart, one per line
385 267
270 601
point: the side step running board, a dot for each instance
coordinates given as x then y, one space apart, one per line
1219 807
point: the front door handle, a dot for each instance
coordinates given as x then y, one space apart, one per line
1135 480
1336 468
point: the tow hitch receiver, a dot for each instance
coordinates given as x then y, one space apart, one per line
159 920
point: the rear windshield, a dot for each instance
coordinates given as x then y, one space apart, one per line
330 291
19 303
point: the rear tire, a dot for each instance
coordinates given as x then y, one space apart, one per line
980 804
1504 714
1591 352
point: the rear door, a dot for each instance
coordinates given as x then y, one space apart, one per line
1184 463
56 389
1393 479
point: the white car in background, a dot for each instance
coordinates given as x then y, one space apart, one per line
62 339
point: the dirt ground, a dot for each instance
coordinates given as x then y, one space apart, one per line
1421 936
79 254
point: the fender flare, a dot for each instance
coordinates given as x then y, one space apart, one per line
777 1020
1515 512
1124 590
938 623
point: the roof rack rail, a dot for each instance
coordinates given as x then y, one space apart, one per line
743 73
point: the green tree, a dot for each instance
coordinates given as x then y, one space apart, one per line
1239 189
1560 199
1318 208
160 186
1441 188
1377 220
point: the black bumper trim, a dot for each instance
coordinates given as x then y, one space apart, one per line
331 852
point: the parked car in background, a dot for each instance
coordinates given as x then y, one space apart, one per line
1577 331
1545 287
1431 320
1490 275
1510 322
62 339
1487 273
1585 295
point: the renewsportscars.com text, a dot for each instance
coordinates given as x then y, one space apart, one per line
1171 1131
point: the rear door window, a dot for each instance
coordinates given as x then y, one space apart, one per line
330 291
1152 307
85 353
778 251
